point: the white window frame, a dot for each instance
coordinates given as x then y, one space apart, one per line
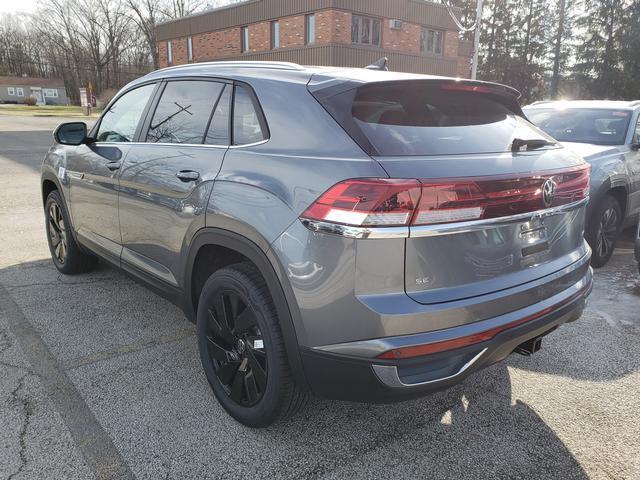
169 52
11 91
244 39
190 49
427 32
19 91
275 34
310 29
50 92
360 21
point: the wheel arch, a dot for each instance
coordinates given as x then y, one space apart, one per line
240 248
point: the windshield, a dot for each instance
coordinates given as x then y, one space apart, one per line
417 119
598 126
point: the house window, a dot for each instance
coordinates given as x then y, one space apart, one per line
19 92
431 41
244 39
275 34
309 29
190 48
365 30
11 91
50 92
169 53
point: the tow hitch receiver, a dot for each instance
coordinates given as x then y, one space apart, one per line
529 347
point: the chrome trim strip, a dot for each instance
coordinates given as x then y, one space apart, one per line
434 230
355 232
388 374
160 144
474 225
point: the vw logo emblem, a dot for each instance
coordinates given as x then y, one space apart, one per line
548 192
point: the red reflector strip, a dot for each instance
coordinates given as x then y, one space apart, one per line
436 347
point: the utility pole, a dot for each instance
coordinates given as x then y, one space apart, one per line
476 40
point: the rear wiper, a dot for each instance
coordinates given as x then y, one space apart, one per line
520 145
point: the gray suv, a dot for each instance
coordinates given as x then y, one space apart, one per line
360 235
607 134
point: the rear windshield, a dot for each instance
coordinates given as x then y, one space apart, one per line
414 119
598 126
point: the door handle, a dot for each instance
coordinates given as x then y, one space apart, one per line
188 175
113 166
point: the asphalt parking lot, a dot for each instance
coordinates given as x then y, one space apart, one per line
100 378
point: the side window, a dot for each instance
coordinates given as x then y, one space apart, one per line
183 112
120 122
218 132
248 125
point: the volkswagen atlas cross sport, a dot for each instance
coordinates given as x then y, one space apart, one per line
607 135
356 234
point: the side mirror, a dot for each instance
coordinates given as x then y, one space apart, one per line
72 133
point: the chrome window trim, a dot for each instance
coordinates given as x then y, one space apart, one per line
388 374
434 230
104 144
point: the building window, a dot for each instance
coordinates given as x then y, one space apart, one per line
19 92
169 53
50 92
190 48
365 30
275 34
431 41
11 91
309 29
244 39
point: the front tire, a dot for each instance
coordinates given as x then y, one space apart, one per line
67 256
242 349
602 232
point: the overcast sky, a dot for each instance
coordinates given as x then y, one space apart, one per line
15 6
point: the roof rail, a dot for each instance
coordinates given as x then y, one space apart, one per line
239 64
634 103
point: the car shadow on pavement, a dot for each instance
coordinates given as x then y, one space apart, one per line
153 400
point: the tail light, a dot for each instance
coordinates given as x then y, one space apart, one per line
391 202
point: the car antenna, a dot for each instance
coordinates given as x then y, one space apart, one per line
380 64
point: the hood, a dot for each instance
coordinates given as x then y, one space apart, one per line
590 151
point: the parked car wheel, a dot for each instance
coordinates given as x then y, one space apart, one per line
242 349
603 229
67 256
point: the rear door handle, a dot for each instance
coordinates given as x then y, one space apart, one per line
188 175
113 166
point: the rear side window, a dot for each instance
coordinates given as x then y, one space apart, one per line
248 123
218 132
183 112
119 123
414 118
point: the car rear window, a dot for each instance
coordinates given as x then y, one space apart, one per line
598 126
411 118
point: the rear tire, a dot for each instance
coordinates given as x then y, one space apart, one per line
603 229
242 349
67 256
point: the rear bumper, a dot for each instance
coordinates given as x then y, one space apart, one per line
354 373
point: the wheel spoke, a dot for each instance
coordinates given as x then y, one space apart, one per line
58 250
252 388
227 316
244 321
217 351
238 385
258 372
219 329
226 372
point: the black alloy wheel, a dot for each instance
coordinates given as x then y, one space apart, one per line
603 229
57 233
236 348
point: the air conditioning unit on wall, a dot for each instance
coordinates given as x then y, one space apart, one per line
395 24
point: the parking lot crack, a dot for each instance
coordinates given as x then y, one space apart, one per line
27 409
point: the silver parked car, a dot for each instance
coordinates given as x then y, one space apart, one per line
361 235
607 135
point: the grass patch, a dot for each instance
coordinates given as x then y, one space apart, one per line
46 111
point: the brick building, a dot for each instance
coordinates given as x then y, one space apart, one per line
416 35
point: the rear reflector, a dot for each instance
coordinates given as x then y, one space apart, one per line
401 202
436 347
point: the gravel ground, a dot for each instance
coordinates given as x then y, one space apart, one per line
99 378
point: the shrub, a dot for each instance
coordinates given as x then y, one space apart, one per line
30 100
